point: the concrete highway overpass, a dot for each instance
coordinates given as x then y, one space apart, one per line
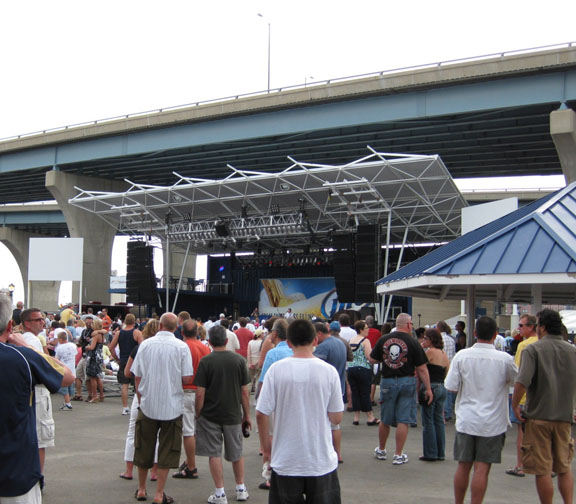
500 115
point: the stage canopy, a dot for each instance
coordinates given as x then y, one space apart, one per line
412 196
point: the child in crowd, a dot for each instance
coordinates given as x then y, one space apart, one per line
66 353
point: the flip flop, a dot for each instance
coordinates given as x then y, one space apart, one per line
264 486
141 497
123 476
166 499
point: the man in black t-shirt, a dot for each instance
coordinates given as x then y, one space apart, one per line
222 412
402 357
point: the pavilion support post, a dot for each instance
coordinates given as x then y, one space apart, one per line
536 298
471 313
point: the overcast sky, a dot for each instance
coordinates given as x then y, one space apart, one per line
66 62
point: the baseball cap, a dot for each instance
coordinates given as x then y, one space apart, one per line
335 326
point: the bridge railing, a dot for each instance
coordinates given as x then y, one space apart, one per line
294 87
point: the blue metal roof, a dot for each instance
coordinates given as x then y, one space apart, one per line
537 238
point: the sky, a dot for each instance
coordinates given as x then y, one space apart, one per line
67 62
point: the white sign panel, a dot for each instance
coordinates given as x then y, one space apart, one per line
52 259
477 215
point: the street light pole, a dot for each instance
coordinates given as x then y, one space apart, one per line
269 29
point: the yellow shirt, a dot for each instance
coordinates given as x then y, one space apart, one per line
66 315
518 357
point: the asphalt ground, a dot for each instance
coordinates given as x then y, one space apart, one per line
88 457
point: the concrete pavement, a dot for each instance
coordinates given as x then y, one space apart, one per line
88 457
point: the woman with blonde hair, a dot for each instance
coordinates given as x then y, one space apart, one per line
95 361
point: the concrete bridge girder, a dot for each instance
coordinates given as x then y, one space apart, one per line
563 131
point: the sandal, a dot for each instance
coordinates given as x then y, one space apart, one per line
140 497
93 401
123 476
373 422
184 472
77 398
166 499
516 471
264 486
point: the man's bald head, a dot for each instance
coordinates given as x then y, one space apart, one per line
404 322
168 322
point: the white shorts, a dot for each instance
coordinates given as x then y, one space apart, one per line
33 496
44 419
189 415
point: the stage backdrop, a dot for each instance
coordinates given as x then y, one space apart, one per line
308 297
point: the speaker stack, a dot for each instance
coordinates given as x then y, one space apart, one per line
140 278
356 264
343 267
367 264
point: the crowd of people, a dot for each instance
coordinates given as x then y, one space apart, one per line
195 383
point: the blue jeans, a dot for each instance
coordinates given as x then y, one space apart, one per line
433 433
398 396
449 404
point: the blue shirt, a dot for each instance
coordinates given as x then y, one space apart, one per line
333 351
22 369
281 351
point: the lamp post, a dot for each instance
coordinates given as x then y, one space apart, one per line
11 289
262 16
306 80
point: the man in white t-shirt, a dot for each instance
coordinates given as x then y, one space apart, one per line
481 375
346 332
33 324
305 395
233 344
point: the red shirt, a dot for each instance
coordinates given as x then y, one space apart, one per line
244 337
198 350
373 336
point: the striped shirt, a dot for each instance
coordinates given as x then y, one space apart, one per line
161 363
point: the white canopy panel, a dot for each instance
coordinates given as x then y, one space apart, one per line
297 207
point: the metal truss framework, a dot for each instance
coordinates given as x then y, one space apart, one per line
412 196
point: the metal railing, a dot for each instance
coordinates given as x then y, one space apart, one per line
293 87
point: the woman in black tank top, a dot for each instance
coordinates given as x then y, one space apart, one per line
433 432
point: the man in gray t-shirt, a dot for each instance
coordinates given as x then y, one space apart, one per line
548 376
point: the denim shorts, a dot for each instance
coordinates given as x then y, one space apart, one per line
398 399
66 390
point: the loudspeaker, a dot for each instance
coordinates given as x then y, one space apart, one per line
343 267
367 254
140 278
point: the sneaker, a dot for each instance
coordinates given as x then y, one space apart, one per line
66 407
217 500
126 411
400 459
242 495
380 454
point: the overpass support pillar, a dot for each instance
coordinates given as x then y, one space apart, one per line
563 131
98 235
43 295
